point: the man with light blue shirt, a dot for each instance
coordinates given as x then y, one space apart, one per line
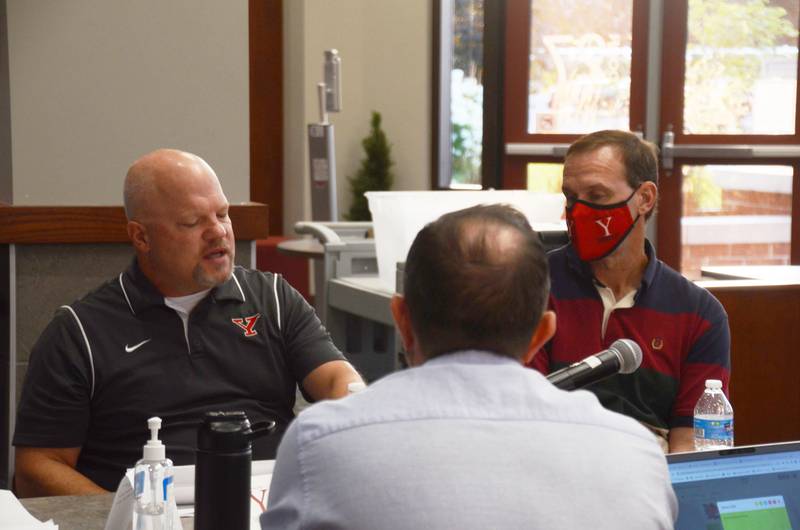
469 438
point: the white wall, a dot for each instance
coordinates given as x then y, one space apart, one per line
386 63
96 83
296 194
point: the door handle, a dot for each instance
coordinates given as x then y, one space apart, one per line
670 151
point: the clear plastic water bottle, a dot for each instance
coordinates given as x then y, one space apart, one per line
154 506
713 419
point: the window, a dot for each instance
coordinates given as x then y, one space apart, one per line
713 82
468 81
460 72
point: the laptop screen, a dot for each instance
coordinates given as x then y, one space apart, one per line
744 488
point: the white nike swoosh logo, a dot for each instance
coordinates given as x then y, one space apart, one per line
135 347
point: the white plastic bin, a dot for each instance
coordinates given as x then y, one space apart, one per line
397 216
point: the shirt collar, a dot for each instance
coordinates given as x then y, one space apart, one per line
652 263
583 269
230 290
141 294
577 265
470 357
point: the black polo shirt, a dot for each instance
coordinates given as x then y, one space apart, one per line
118 356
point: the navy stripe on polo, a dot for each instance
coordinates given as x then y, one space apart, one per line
681 328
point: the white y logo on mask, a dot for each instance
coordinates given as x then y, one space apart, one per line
604 226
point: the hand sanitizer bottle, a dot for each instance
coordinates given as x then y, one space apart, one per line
154 504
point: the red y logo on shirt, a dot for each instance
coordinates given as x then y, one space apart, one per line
248 324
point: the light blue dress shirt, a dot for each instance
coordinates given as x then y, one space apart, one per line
468 440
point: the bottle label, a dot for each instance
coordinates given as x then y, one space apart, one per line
138 484
168 488
713 429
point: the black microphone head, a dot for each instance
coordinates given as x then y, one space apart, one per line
629 353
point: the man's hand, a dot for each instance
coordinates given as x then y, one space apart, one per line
330 380
681 439
41 471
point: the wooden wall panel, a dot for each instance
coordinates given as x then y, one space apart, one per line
765 358
266 107
102 224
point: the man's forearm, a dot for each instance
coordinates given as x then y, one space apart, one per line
39 476
681 439
338 385
330 380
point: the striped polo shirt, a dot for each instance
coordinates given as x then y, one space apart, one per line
681 328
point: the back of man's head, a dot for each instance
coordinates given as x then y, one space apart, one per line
476 279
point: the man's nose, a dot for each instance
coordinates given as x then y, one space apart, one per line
217 230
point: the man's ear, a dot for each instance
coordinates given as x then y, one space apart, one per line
544 332
403 320
137 233
648 195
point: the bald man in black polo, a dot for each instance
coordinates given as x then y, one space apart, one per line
180 332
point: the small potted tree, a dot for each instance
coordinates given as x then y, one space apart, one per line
375 172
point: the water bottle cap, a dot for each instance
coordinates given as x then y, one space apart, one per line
714 384
224 431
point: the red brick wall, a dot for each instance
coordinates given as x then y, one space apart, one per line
695 256
737 202
744 202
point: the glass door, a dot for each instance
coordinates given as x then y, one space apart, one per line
571 67
729 128
713 82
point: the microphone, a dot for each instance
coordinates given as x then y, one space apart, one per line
623 356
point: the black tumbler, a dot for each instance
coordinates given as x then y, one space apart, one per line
222 471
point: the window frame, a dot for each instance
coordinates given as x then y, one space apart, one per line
492 149
515 96
668 230
667 111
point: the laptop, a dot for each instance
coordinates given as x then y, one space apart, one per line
743 488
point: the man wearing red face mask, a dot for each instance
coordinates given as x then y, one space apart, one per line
608 284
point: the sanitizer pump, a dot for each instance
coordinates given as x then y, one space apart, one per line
154 507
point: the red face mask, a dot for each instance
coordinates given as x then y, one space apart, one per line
596 230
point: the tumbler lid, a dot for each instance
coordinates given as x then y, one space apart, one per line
224 431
